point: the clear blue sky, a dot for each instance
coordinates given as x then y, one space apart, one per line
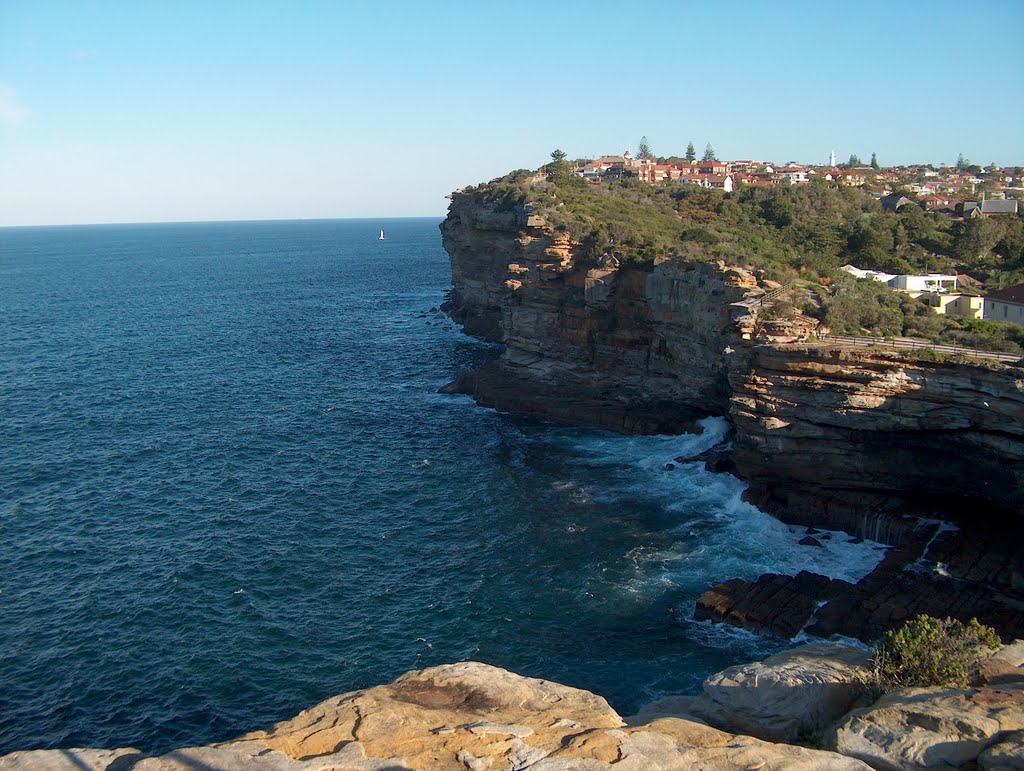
163 111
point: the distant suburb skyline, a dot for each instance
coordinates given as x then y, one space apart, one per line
159 112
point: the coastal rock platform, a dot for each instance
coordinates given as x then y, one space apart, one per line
459 717
802 709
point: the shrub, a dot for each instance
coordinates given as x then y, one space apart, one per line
929 652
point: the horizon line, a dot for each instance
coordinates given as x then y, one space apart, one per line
220 221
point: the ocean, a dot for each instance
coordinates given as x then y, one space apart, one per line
229 489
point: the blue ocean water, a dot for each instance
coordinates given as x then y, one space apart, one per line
229 489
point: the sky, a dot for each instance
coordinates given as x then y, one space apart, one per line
178 111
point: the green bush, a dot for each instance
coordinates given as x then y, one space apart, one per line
930 652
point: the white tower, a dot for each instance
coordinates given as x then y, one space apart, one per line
832 159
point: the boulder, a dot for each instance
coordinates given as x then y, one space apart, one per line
778 603
789 695
932 728
1004 666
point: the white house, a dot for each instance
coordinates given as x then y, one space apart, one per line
932 282
1006 304
877 275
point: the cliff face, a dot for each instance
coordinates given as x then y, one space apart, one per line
822 434
624 348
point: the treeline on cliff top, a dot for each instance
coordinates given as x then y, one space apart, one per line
798 234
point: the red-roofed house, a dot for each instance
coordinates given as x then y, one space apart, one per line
792 175
713 167
1006 304
720 181
935 202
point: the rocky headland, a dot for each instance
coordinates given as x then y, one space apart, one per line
802 709
921 453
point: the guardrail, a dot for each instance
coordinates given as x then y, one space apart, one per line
752 302
910 344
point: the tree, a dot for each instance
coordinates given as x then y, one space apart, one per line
961 162
559 167
874 161
975 239
644 150
709 153
691 152
854 160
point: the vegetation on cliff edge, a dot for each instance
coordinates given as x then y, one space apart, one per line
929 652
799 235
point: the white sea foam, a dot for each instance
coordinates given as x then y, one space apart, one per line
717 534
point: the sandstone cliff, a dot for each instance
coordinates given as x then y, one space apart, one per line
822 433
628 349
859 439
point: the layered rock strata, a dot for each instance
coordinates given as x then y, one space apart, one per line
826 434
850 438
631 350
823 433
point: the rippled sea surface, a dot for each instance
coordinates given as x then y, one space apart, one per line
229 489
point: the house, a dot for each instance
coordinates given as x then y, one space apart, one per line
953 304
792 175
720 181
712 167
968 306
1006 304
992 208
937 283
930 282
967 280
853 178
935 202
893 202
877 275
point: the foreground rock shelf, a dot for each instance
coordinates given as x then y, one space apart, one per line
475 717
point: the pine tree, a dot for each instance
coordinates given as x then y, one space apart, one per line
644 150
691 152
874 161
709 153
559 167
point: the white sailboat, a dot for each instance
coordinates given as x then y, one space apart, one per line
381 236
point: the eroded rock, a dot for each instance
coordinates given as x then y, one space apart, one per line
919 728
790 695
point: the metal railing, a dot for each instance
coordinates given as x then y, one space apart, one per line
910 344
751 302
